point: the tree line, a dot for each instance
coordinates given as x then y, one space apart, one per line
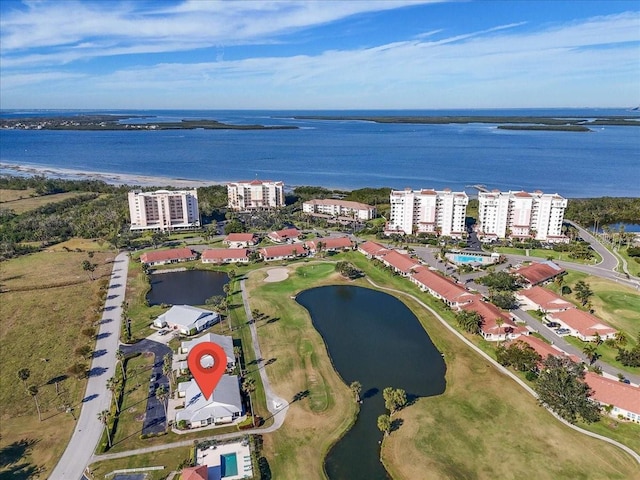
603 210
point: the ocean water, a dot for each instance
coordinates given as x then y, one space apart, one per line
347 154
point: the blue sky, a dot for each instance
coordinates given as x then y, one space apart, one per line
328 54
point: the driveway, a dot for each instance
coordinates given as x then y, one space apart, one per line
155 420
97 397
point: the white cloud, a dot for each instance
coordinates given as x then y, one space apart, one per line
578 62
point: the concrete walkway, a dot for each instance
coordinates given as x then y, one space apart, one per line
506 371
277 406
97 397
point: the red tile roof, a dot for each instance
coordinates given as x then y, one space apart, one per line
522 194
372 248
543 348
329 243
167 255
612 392
240 237
546 299
540 272
443 286
286 234
223 253
585 323
400 261
200 472
282 251
489 313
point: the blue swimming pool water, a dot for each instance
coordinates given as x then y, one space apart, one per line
468 259
229 464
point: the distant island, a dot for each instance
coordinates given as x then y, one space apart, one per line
113 122
564 124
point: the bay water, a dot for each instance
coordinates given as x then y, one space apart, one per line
346 154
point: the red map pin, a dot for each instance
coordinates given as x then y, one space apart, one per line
207 378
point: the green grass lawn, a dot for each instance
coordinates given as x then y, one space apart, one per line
543 253
633 264
608 354
47 302
171 459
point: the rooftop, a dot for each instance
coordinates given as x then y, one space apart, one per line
612 392
585 323
222 253
546 299
540 272
166 255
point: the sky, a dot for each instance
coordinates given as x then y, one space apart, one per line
329 54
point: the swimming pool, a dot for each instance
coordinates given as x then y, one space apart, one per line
229 464
470 259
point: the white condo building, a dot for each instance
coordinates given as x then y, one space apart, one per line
521 215
340 209
440 212
164 210
255 194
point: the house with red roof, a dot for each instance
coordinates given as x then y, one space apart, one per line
401 263
539 298
225 255
288 235
240 240
199 472
624 398
441 287
582 324
543 348
540 272
372 249
330 244
497 326
162 257
282 252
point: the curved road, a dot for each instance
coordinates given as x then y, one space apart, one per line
97 397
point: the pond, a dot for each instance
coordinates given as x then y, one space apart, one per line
375 339
190 287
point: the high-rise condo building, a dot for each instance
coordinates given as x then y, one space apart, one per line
255 195
521 215
439 212
164 210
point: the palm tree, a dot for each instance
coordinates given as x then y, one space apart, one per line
499 323
24 374
104 416
384 424
162 394
249 386
33 391
112 385
590 350
356 389
621 339
167 366
120 358
237 352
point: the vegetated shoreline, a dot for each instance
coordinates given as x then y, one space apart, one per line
527 122
112 122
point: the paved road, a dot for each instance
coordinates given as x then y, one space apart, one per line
609 260
155 419
97 397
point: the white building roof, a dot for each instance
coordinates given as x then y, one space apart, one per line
224 341
224 402
186 315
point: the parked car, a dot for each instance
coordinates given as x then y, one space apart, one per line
553 324
563 331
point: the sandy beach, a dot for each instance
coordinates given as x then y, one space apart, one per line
111 178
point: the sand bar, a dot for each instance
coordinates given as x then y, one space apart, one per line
111 178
